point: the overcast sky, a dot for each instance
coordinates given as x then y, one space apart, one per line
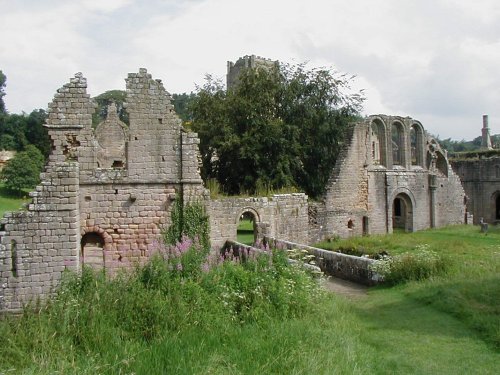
437 61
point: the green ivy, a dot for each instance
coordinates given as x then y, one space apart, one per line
191 221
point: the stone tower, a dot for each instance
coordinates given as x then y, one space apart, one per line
247 62
486 139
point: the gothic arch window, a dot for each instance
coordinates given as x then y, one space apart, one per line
378 143
417 145
397 138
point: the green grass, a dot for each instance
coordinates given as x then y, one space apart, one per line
10 201
245 232
236 321
469 291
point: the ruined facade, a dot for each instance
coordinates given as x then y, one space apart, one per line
107 193
390 175
480 175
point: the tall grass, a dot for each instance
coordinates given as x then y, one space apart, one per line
94 322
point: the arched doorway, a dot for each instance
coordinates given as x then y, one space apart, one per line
247 227
92 250
402 213
495 204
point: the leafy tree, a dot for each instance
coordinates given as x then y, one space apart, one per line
3 79
23 170
276 128
181 104
104 100
18 131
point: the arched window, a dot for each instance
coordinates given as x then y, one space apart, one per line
417 144
378 143
397 137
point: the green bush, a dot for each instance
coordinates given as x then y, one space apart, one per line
417 265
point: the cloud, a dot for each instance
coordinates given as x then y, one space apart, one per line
432 60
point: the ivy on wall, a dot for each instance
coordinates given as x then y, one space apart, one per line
188 220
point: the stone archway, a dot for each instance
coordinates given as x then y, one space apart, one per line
495 206
402 213
94 246
247 226
92 250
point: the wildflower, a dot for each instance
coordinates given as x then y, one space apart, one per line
205 267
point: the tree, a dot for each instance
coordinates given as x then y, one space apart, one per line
3 79
276 128
182 104
104 100
23 170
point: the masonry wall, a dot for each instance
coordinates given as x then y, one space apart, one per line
346 197
371 174
280 216
481 180
106 193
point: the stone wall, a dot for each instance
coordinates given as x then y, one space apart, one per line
391 175
343 266
481 180
281 216
234 69
106 194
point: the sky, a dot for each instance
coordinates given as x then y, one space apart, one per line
437 61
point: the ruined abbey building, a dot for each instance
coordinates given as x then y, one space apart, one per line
480 176
107 193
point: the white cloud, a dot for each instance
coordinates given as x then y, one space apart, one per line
436 61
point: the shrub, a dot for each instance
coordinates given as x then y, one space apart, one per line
420 264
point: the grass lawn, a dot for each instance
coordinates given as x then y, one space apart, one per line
245 233
10 202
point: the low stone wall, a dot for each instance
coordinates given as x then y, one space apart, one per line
238 246
343 266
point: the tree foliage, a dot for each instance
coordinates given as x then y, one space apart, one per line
276 128
23 170
182 104
3 80
104 100
18 131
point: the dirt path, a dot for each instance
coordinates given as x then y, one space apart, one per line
345 288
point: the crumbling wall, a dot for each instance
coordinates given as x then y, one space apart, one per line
106 194
280 216
37 244
391 175
480 177
346 197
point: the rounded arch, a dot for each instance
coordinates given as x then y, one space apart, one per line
247 225
402 207
398 135
93 244
378 142
441 163
250 210
495 205
417 144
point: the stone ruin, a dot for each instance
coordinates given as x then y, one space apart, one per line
480 175
107 193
